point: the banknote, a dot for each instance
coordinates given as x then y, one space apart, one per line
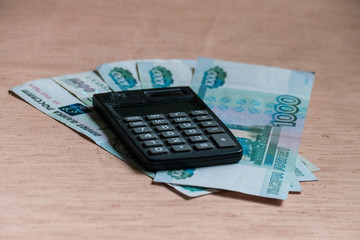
83 85
295 184
309 165
191 191
120 76
53 100
303 174
190 62
300 174
265 108
165 73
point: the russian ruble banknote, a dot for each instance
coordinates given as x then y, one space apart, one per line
265 107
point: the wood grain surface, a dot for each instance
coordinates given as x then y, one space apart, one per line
55 184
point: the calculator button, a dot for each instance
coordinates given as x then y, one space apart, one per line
203 146
181 148
155 116
182 120
147 136
191 132
158 150
175 140
152 143
209 124
159 122
199 138
198 113
177 114
169 134
204 118
142 130
162 128
137 124
223 140
133 119
214 130
187 125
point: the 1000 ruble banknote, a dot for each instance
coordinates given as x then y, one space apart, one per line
265 107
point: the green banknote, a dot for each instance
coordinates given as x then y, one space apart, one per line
83 85
265 107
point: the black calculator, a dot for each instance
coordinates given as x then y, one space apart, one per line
168 128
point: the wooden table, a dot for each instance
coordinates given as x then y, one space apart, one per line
55 184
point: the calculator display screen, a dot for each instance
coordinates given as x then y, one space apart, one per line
155 108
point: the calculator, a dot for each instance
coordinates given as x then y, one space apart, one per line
168 128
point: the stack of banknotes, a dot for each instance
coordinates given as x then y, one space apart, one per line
264 107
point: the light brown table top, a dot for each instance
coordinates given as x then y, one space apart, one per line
55 184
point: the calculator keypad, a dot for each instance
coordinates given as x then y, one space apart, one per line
178 132
168 128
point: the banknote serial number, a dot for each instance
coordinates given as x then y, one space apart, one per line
285 111
37 89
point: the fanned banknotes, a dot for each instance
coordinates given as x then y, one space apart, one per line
69 101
